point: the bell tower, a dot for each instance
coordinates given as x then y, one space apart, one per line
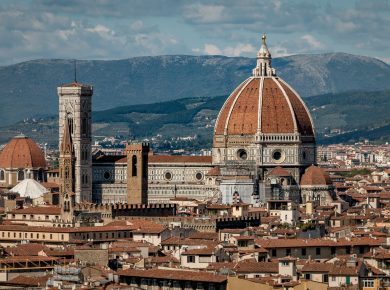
75 101
137 173
67 169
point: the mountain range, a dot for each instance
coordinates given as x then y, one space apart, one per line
342 117
29 88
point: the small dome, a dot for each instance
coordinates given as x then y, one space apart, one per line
315 176
22 152
29 188
279 171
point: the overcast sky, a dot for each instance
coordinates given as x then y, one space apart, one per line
115 29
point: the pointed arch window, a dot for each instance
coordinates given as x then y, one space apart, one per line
134 165
20 175
66 172
2 174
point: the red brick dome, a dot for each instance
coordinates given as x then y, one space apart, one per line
264 103
22 152
315 176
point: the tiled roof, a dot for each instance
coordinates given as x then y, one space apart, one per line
179 159
246 267
64 230
204 236
174 275
157 159
317 267
215 171
201 252
28 281
279 171
50 210
315 176
25 250
299 243
22 152
282 110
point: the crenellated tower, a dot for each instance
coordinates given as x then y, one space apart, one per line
137 173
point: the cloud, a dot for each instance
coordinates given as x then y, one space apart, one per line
200 13
312 41
27 34
245 49
107 29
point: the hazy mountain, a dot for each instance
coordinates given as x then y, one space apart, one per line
29 88
355 114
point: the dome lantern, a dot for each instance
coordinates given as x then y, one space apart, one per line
263 65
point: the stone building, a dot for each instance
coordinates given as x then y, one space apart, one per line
262 125
264 139
21 159
168 177
75 104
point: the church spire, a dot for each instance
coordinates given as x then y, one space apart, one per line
263 66
66 143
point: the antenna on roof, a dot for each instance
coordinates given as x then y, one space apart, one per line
75 72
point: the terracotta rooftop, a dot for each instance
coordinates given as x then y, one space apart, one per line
179 159
279 171
200 252
174 275
299 243
22 152
50 210
215 171
281 110
315 176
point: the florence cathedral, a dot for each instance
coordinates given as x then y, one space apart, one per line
264 140
263 149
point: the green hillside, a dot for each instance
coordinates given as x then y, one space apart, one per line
356 115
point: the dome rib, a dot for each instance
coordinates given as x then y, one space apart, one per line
275 116
289 104
241 112
260 104
304 120
224 112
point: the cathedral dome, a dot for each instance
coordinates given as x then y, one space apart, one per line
22 152
315 176
264 104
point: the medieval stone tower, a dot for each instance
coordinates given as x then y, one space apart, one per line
67 169
137 173
75 106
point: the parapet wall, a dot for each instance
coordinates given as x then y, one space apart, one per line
202 224
118 210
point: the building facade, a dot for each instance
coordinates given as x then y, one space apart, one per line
168 177
264 139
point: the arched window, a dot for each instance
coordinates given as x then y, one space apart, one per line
40 174
134 166
84 128
20 175
70 120
66 172
2 174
